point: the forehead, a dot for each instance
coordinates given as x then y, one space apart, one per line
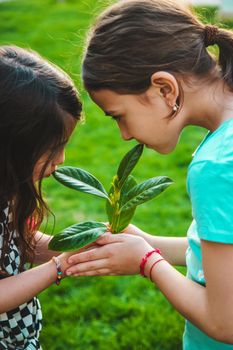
109 100
104 97
69 123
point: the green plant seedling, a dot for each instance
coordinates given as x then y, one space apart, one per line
121 201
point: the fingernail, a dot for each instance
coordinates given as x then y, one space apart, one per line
68 273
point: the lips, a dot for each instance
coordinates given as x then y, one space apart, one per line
53 169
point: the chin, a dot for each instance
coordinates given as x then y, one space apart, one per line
46 175
166 149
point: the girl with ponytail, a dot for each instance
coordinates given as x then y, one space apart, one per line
147 65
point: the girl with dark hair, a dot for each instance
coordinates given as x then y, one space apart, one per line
147 66
39 108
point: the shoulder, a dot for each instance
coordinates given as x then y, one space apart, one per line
211 175
217 146
213 160
210 185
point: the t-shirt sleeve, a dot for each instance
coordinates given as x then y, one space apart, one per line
210 185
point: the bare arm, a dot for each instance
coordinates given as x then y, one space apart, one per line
18 289
173 248
42 252
210 308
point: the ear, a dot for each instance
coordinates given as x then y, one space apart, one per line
166 86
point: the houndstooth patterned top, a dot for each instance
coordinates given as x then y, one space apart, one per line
20 327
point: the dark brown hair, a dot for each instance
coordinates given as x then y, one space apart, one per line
133 39
38 106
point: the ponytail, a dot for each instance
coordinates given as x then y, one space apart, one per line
224 40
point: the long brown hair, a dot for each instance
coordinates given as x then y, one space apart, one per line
133 39
38 103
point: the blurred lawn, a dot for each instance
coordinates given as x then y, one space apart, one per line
125 313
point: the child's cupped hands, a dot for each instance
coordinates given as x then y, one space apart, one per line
112 254
64 257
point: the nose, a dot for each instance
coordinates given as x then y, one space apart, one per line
125 134
61 157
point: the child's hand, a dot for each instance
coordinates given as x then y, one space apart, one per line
134 230
118 254
64 262
65 256
131 229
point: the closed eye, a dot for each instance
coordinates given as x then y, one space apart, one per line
114 117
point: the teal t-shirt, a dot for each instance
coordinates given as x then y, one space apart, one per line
210 187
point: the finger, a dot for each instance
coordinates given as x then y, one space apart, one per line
89 255
87 247
87 267
94 254
84 249
107 238
101 272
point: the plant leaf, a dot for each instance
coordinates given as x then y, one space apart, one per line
128 163
80 180
124 217
129 184
77 236
145 191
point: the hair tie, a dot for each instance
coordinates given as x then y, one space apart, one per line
210 35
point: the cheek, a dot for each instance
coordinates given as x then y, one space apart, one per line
36 173
38 168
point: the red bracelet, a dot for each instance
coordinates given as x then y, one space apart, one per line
144 260
153 265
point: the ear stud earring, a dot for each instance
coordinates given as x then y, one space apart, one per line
175 108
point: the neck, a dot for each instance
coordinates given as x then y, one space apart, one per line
208 105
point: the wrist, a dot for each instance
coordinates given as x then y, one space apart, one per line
60 266
146 258
64 262
152 262
149 261
59 273
150 239
52 270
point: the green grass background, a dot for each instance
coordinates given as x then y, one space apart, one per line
121 313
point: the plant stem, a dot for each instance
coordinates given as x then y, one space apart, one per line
115 206
115 217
